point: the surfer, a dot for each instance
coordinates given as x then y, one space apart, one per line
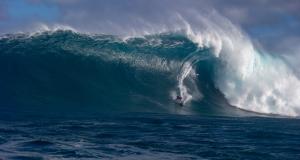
179 100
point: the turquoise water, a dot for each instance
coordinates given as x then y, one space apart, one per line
65 71
66 95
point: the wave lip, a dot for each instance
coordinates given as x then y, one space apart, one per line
211 66
249 79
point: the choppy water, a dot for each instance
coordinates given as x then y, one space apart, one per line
66 95
149 136
66 71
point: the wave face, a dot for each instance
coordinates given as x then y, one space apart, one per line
65 70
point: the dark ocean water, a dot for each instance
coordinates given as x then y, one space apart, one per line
66 95
63 71
149 136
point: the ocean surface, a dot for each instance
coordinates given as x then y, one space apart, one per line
149 136
70 95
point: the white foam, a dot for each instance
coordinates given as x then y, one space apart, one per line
183 90
41 28
189 92
249 79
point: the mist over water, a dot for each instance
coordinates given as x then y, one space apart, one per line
213 72
200 56
140 79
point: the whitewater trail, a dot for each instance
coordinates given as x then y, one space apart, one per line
248 78
187 72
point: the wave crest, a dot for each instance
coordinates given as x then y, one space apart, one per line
248 79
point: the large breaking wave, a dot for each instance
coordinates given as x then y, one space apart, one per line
215 68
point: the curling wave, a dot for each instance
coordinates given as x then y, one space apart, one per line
212 70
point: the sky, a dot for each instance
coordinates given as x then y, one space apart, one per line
273 23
